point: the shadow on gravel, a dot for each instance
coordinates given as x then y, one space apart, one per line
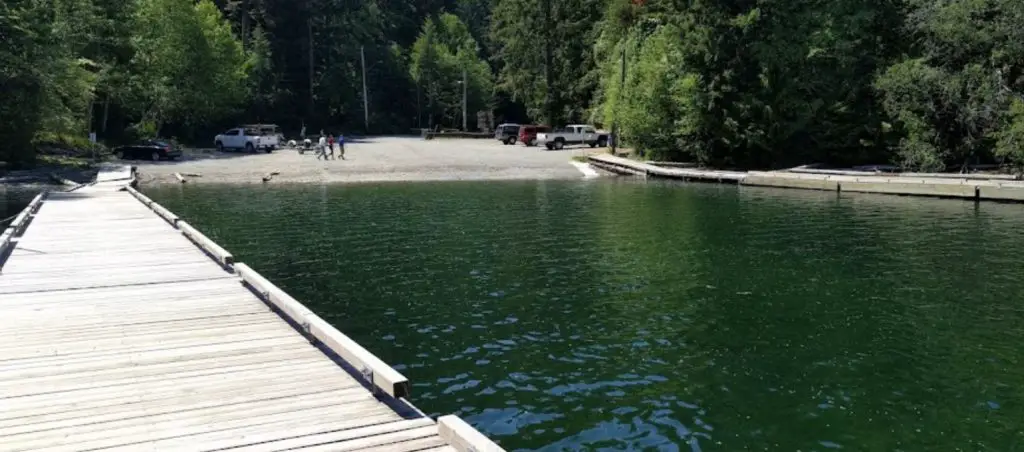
194 155
351 139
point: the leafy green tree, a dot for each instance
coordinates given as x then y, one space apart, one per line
21 78
48 85
1010 144
261 76
442 55
927 84
111 50
956 100
657 108
750 85
188 66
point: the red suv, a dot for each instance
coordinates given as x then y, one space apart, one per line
528 134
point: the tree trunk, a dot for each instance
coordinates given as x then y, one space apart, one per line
88 120
309 26
245 24
106 114
548 29
366 99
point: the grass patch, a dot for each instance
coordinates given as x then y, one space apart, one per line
581 158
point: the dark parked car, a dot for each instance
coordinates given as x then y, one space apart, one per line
507 133
148 150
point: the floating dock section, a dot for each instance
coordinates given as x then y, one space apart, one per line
943 187
626 166
972 187
125 328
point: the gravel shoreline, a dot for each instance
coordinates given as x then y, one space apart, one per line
373 159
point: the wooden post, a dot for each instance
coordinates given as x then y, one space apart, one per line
366 101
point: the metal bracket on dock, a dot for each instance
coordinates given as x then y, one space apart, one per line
307 331
368 375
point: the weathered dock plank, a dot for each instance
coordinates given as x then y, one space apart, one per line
126 328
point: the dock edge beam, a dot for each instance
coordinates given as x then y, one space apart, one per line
378 374
17 227
463 437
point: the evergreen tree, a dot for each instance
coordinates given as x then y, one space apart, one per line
48 84
543 50
762 85
188 66
927 84
444 56
957 99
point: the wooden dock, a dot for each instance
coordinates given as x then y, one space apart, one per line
125 328
626 166
971 187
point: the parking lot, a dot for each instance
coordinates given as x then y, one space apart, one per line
374 159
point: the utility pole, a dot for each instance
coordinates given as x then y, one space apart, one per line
366 100
615 112
464 103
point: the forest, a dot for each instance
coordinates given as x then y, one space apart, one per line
923 84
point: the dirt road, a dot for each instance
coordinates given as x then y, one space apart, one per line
374 159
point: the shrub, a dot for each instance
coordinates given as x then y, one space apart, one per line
67 145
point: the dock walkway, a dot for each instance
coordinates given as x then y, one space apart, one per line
125 328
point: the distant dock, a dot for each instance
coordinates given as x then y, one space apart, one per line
969 187
126 328
626 166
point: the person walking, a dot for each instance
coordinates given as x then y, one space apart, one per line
341 146
321 147
330 145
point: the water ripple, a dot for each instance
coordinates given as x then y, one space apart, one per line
629 316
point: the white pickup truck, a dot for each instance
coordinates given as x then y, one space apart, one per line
249 138
572 134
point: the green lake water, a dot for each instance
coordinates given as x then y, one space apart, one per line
12 200
621 315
